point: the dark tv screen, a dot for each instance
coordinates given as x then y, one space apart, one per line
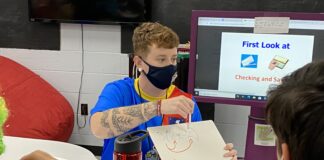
88 11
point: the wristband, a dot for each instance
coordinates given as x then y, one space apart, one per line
159 102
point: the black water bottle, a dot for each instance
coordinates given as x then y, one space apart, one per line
129 146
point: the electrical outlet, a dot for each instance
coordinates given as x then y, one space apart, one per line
84 109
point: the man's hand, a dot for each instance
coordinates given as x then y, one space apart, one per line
38 155
231 152
180 105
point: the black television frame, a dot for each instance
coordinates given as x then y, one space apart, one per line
147 17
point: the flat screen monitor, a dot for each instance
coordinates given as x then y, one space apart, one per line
89 11
229 63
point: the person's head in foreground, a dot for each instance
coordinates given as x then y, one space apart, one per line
295 110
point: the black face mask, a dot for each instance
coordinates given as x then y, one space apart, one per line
161 77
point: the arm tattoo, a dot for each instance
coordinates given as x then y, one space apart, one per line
150 109
134 112
121 122
116 111
104 119
105 123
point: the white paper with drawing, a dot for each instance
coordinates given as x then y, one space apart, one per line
177 142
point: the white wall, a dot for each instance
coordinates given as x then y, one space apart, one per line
103 62
232 121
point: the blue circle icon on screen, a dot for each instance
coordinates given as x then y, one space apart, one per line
249 61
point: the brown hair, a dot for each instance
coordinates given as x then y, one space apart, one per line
149 34
295 110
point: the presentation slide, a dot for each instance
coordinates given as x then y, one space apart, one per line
251 63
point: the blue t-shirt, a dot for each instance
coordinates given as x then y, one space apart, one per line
123 93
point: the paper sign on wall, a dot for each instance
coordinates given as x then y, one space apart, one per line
271 25
264 135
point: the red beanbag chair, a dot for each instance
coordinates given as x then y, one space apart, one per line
36 109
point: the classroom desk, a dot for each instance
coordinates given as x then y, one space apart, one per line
16 147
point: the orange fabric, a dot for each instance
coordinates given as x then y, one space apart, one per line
176 92
36 109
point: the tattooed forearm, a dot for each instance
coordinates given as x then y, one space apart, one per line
150 109
104 119
121 122
144 112
105 123
117 121
135 112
